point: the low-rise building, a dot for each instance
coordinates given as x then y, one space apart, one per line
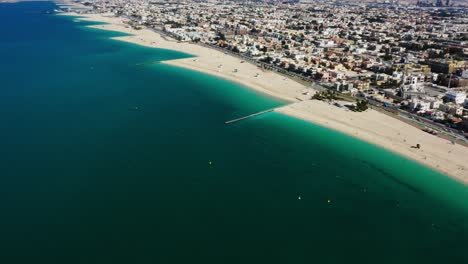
455 96
451 108
419 105
343 86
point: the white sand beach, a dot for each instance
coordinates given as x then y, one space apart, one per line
387 132
207 60
371 126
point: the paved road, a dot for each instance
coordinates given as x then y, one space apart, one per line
421 122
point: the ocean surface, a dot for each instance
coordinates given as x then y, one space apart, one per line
107 156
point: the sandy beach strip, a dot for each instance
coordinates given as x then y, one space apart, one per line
387 132
207 60
370 126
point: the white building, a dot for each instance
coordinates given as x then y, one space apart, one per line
420 105
438 115
451 108
411 88
434 102
465 74
456 97
397 76
343 86
253 51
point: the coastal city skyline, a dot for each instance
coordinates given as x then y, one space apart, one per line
407 61
269 131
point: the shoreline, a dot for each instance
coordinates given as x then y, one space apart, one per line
205 60
370 126
388 133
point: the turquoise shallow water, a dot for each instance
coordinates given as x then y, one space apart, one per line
106 161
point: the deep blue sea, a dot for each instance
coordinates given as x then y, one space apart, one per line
104 159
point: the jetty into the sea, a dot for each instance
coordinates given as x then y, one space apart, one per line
249 116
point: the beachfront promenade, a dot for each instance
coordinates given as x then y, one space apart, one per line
417 121
371 126
308 82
